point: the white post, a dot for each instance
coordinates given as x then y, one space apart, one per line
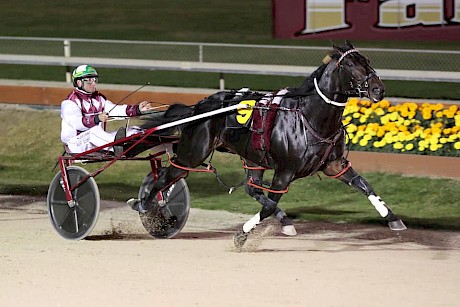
68 74
221 81
200 53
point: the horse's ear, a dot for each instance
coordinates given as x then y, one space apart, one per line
349 44
337 48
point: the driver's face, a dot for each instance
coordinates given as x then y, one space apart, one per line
88 84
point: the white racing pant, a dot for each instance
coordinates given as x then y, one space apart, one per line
95 137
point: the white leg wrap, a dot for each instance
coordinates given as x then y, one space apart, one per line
379 205
249 225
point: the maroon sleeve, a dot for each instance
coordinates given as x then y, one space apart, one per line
133 110
89 121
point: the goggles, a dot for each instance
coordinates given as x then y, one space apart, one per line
90 80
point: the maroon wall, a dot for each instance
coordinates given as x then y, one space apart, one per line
363 21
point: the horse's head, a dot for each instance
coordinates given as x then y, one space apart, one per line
357 77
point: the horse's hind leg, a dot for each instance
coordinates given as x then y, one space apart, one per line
188 156
166 177
269 204
287 226
342 170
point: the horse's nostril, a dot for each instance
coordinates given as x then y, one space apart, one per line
377 93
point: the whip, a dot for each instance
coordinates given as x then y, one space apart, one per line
118 103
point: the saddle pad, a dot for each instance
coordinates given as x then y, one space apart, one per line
264 118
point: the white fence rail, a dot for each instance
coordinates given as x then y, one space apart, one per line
391 64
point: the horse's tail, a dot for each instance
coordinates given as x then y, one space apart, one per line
178 111
174 112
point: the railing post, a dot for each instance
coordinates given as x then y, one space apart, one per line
200 53
68 74
221 81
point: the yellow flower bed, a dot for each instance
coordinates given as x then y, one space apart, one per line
427 128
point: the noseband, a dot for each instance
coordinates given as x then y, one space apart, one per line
364 84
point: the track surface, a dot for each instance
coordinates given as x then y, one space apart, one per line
119 264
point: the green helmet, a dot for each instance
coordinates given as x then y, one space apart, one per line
83 71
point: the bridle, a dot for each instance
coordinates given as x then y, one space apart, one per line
356 87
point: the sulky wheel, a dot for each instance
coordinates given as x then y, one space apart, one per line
74 223
166 218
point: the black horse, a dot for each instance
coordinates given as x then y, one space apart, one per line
296 132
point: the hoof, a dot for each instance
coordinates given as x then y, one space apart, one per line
136 205
397 225
240 238
289 230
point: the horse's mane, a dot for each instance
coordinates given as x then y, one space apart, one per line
308 83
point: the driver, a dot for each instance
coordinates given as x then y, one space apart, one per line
85 111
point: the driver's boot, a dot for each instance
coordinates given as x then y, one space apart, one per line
121 134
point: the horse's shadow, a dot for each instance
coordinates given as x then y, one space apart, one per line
315 237
197 235
295 212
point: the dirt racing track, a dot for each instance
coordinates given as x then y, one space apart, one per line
119 264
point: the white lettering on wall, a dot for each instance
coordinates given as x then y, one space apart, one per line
404 13
324 15
327 15
456 17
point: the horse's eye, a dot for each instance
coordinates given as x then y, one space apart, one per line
350 63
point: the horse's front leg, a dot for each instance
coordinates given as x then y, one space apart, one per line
269 204
256 176
342 170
